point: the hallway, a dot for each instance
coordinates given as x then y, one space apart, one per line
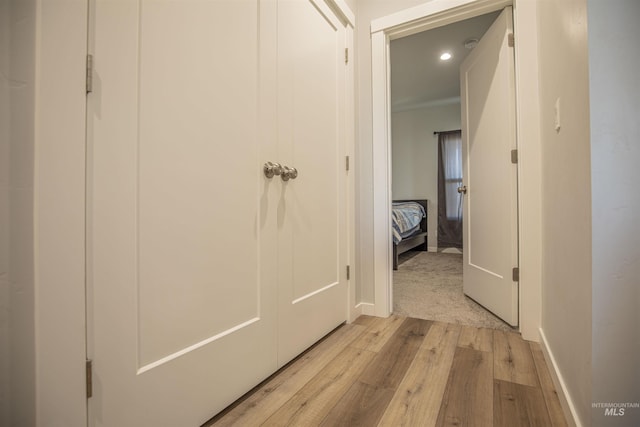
405 371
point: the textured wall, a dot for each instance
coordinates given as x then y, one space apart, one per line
614 59
566 194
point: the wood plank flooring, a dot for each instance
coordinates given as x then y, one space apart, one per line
406 372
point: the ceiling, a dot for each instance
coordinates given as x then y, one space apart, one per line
418 77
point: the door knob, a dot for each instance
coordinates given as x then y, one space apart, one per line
462 189
271 169
288 172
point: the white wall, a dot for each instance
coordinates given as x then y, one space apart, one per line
17 117
352 4
4 212
367 11
614 60
414 157
566 196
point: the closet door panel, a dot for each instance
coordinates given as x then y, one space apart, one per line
196 239
182 271
311 72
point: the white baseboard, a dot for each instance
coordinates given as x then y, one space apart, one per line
432 249
366 308
451 251
354 313
566 402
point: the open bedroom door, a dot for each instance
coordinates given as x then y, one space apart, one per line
490 220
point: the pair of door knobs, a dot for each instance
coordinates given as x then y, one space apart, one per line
285 172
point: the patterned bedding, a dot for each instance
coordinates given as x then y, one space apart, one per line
405 218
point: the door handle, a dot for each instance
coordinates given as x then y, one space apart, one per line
462 189
288 172
271 169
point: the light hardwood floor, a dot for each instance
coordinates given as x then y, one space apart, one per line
402 371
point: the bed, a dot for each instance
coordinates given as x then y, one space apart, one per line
409 227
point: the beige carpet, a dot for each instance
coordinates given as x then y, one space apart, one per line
428 285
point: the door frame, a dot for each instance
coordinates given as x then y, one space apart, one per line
424 17
59 203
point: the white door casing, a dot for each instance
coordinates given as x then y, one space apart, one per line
192 251
490 220
424 17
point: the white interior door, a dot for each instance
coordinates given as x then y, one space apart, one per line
311 137
182 298
204 275
488 136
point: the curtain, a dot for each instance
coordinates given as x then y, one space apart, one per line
449 179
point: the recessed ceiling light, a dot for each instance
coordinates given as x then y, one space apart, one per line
445 56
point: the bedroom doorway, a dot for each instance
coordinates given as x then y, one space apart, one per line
426 149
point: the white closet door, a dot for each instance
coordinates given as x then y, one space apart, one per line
182 226
312 209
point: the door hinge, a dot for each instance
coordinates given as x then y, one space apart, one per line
89 376
346 55
348 272
511 40
89 74
514 156
347 163
516 274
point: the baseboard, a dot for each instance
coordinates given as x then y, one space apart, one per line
451 251
354 313
432 249
566 402
366 308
